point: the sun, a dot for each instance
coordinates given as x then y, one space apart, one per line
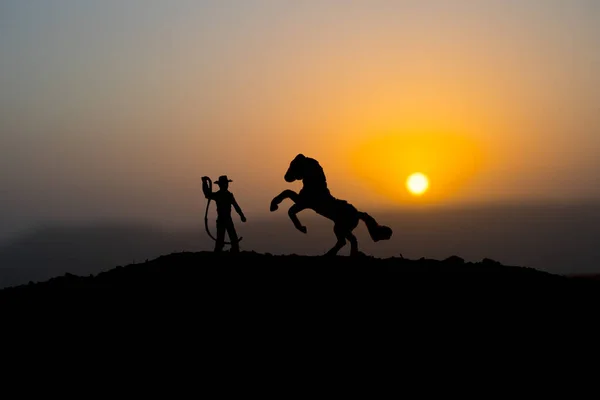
417 183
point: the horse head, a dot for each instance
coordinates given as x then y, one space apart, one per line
295 171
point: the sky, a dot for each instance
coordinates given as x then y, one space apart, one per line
115 109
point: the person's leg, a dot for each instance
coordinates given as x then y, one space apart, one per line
221 227
233 237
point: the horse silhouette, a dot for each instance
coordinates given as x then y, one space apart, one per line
315 195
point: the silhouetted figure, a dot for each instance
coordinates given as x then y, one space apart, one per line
315 195
224 199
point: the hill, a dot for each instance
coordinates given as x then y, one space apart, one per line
554 238
293 310
280 281
548 237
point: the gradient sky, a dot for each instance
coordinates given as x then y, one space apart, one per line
116 108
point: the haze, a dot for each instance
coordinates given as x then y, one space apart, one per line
113 110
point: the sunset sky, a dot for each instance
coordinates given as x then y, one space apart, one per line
116 108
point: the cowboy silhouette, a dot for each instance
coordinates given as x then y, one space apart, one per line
224 199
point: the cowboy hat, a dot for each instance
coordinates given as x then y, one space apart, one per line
223 179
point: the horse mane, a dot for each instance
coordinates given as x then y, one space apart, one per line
312 169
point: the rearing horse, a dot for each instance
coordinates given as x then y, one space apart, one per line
316 196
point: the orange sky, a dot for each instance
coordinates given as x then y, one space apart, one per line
117 109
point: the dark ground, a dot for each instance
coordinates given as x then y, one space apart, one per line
306 319
288 284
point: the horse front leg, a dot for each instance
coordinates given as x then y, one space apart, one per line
295 209
286 194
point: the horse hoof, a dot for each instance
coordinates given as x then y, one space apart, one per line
274 207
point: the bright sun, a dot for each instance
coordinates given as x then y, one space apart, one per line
417 183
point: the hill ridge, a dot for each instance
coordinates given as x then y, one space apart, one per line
192 270
452 264
226 293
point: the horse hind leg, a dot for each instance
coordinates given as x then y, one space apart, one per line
352 222
341 235
353 244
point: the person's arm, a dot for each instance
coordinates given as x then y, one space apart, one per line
208 193
237 208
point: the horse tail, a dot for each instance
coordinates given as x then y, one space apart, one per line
377 232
